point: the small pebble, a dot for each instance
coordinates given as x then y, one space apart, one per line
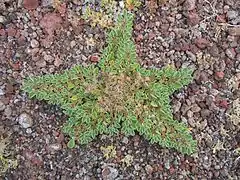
25 120
8 111
34 43
149 169
2 19
2 106
125 140
73 44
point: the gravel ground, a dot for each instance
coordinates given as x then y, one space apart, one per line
204 35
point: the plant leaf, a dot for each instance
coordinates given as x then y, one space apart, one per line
71 143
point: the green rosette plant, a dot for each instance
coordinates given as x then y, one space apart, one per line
118 95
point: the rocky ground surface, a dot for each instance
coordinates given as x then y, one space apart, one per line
37 39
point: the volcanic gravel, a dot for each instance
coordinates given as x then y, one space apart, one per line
36 39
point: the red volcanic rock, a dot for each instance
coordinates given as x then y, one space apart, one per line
30 4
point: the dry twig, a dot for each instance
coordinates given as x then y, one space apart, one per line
215 13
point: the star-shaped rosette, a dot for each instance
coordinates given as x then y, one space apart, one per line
118 95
